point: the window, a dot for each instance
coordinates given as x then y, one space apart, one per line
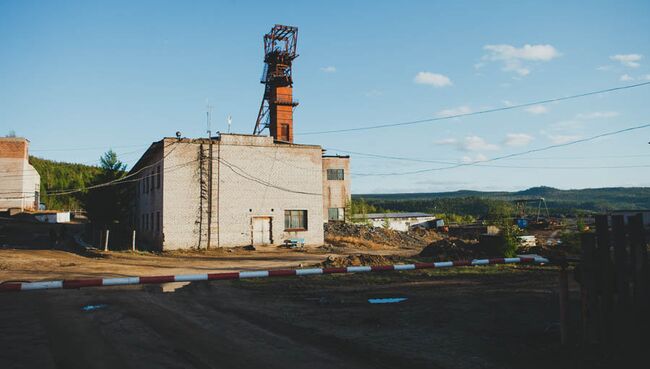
295 220
335 174
284 132
142 181
335 214
157 221
158 176
144 222
151 221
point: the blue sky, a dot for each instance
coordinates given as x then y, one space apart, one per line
78 78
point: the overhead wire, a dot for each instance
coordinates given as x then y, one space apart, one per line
606 134
486 111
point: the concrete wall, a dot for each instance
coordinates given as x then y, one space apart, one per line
19 181
148 200
251 177
336 193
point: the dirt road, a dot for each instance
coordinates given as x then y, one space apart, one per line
505 318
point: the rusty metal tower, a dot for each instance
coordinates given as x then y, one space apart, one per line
276 111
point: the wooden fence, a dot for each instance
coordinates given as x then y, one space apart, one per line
614 283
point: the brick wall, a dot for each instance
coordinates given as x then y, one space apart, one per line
252 177
336 193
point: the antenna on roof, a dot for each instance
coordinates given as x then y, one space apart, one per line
208 116
229 122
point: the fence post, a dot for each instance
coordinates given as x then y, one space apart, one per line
106 241
564 303
606 278
621 260
133 242
640 258
588 288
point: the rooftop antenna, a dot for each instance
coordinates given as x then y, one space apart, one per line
208 116
229 122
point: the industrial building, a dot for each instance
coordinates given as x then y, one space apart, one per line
230 190
399 221
19 181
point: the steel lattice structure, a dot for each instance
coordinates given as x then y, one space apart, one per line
276 110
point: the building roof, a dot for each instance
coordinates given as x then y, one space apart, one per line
395 215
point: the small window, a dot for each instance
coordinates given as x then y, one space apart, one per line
335 174
335 214
295 220
284 132
157 221
151 221
158 177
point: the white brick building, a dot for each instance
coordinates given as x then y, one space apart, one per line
19 181
232 190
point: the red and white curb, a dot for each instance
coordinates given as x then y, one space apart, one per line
98 282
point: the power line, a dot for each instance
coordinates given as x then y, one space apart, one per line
512 107
606 134
478 164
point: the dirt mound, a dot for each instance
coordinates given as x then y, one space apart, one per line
344 234
356 260
453 249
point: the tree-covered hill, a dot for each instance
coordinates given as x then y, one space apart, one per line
476 203
62 176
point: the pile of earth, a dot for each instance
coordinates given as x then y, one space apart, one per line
452 248
357 260
345 233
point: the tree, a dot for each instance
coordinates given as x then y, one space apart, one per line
11 134
500 215
109 202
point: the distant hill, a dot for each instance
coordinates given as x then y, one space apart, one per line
476 202
62 176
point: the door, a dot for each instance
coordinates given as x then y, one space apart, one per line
261 231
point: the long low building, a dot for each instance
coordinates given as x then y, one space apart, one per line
398 221
230 190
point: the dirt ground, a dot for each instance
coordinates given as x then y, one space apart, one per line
469 317
502 318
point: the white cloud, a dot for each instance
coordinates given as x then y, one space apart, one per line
626 77
469 143
476 143
646 77
537 109
517 139
513 57
455 111
628 60
597 115
476 159
605 67
507 103
328 69
447 141
432 79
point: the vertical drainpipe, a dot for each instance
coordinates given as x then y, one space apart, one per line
210 193
218 187
200 194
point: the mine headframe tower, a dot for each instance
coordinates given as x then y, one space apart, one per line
276 111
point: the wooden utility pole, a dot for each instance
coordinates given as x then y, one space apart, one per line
133 241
